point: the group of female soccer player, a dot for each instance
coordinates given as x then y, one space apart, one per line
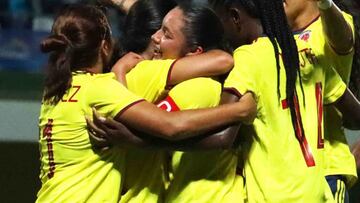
269 128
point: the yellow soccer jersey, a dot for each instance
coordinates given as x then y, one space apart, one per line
282 166
149 78
339 159
71 171
201 176
145 176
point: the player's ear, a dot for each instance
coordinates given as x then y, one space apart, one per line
106 47
235 17
195 51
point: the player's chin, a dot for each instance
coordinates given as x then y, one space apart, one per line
157 56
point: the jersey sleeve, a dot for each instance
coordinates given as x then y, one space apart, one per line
149 78
342 62
334 86
242 79
110 97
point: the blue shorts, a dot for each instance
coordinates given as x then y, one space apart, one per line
338 188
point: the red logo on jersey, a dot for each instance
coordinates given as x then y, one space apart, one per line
305 36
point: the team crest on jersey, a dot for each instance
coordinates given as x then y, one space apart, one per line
305 35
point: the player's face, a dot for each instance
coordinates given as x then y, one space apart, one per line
170 40
234 35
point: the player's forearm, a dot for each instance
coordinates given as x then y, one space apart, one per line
349 106
337 31
211 63
227 114
223 139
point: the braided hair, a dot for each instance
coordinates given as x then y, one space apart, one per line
274 23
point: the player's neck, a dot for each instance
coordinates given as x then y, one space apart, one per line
97 68
302 20
258 31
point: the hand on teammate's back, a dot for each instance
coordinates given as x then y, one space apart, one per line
98 137
105 132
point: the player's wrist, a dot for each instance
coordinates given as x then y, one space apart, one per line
324 4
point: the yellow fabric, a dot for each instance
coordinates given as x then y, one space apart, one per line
80 173
203 176
339 196
339 159
145 169
148 79
276 170
145 176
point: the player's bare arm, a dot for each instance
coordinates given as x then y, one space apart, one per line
106 132
207 64
338 32
149 119
349 106
221 138
124 65
211 63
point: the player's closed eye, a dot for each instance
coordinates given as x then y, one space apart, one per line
167 35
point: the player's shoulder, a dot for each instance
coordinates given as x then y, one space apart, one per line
196 93
154 63
104 82
197 86
259 45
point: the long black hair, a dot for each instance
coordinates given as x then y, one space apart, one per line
74 44
202 27
275 25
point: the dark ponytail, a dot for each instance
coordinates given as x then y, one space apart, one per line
77 34
276 27
58 73
202 26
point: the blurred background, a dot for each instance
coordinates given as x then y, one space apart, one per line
23 23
